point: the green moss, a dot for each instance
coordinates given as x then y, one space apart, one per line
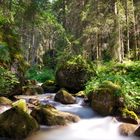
21 104
111 87
129 114
5 101
48 115
17 124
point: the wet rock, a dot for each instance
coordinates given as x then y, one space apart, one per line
32 90
80 94
127 129
105 100
137 132
64 97
128 117
5 101
34 101
49 115
50 86
17 124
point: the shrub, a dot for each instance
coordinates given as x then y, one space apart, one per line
127 75
8 81
41 75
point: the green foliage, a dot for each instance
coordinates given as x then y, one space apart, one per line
126 75
79 61
8 81
40 74
4 53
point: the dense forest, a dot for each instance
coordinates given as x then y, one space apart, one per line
86 49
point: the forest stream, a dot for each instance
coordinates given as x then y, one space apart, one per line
90 127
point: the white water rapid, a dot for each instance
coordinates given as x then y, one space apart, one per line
90 127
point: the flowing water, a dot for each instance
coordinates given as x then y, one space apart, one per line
90 127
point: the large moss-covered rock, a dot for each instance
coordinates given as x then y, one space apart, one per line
17 124
105 100
73 74
64 97
50 86
5 101
50 116
127 129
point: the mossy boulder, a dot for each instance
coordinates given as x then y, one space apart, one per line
17 124
73 74
5 101
50 86
127 129
106 99
48 115
128 116
32 90
81 94
64 97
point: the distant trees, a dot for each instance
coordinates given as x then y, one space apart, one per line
97 29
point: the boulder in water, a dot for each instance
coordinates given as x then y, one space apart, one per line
17 124
49 115
64 97
105 100
127 129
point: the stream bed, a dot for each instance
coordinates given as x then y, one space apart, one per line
90 127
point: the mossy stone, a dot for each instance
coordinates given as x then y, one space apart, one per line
17 124
64 97
73 76
105 100
50 86
5 101
48 115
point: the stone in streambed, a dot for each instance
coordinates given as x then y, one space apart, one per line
49 115
105 100
64 97
127 129
17 124
128 116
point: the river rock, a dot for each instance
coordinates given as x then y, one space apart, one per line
80 94
50 116
128 116
5 101
73 76
127 129
105 100
50 86
64 97
137 132
17 124
32 90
